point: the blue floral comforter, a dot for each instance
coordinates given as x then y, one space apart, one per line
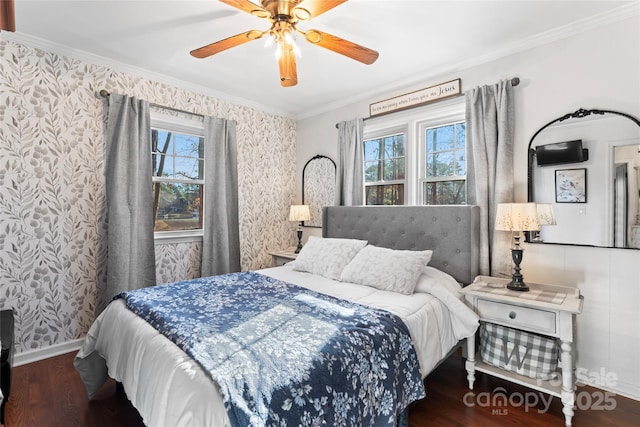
284 355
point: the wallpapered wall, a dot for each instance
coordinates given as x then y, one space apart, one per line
52 254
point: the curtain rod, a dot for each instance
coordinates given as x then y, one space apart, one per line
514 82
105 94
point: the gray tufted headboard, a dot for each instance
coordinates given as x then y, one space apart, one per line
452 232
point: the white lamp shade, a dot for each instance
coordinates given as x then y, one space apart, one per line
517 217
299 213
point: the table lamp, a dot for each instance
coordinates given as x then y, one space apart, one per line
299 213
517 217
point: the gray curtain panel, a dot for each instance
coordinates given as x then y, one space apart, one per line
221 240
490 124
128 170
350 175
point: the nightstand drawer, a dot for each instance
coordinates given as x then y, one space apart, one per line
534 320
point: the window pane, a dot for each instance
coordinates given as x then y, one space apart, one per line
394 146
372 149
446 154
384 194
461 165
443 163
461 135
161 141
187 145
186 167
393 169
372 171
178 206
162 165
177 155
445 193
440 138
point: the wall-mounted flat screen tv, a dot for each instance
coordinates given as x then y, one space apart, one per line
561 153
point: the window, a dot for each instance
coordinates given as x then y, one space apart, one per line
178 177
417 156
445 169
384 170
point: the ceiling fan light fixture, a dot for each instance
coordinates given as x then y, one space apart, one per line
288 38
269 40
284 15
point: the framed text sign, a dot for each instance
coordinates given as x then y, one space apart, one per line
414 99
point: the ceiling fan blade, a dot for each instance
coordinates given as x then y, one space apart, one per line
229 42
287 64
7 16
342 46
308 9
249 7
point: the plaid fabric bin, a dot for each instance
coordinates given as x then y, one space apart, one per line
524 353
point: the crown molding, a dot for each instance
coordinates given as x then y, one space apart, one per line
52 47
559 33
614 15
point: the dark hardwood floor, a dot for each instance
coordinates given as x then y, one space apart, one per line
49 393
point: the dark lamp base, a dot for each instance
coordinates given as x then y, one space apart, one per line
299 233
518 285
517 281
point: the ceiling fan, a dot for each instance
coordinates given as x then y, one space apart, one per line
7 16
284 16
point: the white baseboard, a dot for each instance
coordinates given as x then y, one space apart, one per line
47 352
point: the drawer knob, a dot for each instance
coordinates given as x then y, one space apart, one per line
512 315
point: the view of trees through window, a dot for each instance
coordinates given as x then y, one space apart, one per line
445 167
177 180
384 170
440 171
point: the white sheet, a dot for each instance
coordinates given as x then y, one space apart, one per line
169 389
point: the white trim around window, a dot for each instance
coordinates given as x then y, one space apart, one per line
413 124
185 125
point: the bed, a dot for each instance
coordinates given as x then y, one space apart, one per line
169 388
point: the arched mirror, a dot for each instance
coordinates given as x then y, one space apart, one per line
586 166
318 187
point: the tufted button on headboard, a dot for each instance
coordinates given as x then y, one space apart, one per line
452 232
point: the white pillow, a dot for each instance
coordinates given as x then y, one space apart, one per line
327 257
386 269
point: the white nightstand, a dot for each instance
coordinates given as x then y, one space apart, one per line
279 258
546 310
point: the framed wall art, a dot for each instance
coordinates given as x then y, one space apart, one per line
571 185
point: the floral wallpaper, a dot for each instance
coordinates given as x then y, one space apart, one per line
52 253
319 173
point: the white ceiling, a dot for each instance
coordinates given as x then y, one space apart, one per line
416 40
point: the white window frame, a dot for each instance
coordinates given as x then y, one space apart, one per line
422 130
412 122
186 126
382 134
